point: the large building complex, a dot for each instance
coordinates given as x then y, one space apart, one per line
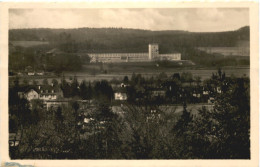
153 54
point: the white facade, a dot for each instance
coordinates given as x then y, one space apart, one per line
43 93
54 103
117 57
153 54
31 95
48 96
153 51
31 73
40 73
171 57
120 96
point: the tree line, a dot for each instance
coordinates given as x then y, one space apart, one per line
118 38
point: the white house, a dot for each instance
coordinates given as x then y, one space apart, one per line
40 73
31 73
219 90
55 103
211 100
31 95
49 92
120 96
205 92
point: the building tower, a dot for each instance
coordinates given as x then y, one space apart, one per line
153 51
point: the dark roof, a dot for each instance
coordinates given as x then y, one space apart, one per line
48 87
42 87
28 88
15 136
53 51
120 90
49 93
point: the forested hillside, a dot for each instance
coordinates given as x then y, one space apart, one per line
73 42
129 40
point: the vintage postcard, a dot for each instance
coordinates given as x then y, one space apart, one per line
129 84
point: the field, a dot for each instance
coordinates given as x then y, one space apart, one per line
176 109
27 44
203 73
117 71
226 51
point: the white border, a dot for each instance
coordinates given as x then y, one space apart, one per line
254 22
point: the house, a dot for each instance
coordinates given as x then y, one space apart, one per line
120 93
51 95
54 104
14 139
205 92
120 96
31 73
30 94
219 90
158 93
154 115
196 95
211 100
42 92
49 92
40 73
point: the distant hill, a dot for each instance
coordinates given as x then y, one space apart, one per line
128 40
28 47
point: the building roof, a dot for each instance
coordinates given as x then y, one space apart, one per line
47 89
28 88
54 51
38 89
120 90
15 136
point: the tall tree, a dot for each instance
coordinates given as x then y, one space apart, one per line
45 82
75 87
232 114
83 90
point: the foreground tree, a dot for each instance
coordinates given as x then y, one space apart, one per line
232 115
223 133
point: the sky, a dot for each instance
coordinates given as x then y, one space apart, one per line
187 19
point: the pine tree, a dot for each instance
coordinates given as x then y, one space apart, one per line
183 135
232 115
83 90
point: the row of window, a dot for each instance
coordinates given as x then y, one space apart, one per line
119 55
47 91
47 96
